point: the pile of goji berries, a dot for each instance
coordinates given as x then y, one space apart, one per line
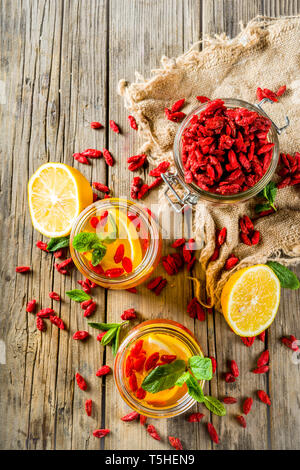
226 150
289 170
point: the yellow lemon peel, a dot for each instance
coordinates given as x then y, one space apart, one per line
197 293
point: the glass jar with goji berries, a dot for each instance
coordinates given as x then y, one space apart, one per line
116 243
225 151
148 345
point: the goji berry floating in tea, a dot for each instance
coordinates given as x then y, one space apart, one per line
153 433
175 442
80 381
264 397
101 432
225 150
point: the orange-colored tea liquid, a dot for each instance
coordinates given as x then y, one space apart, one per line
144 355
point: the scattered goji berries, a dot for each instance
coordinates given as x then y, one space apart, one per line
157 284
241 420
281 90
109 160
100 335
234 368
249 236
80 335
136 186
261 370
231 261
262 336
45 312
161 168
57 322
229 378
247 405
223 149
177 106
179 242
175 116
133 122
129 314
96 125
81 158
84 305
143 419
213 433
130 417
80 381
290 342
175 442
40 324
202 99
248 341
42 245
104 370
195 309
222 236
31 305
101 432
264 397
289 170
214 364
172 263
88 407
92 153
153 432
53 295
195 417
114 126
90 309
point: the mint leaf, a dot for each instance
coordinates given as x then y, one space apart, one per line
98 254
269 193
105 326
115 344
58 243
85 241
201 367
214 405
194 389
262 207
78 295
287 278
163 377
109 335
182 379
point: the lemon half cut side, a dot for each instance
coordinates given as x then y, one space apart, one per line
57 193
250 300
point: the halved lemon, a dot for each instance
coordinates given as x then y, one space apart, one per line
250 300
57 193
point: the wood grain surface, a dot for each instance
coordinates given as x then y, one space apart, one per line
60 62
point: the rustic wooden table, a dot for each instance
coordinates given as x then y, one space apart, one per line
60 65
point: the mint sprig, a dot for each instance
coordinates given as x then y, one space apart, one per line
113 333
287 278
89 241
58 243
269 193
78 295
179 373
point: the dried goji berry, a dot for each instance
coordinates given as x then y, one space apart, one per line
84 305
290 342
241 420
202 99
57 322
262 336
178 105
133 290
260 370
101 432
160 287
178 242
281 90
53 295
96 125
195 417
132 122
80 335
213 433
151 361
161 168
104 370
90 309
81 158
248 341
114 126
101 187
88 407
109 160
154 283
80 381
136 161
135 187
222 236
234 368
45 312
42 245
128 314
255 237
31 305
40 324
143 419
92 153
214 364
153 432
229 378
130 417
247 405
23 269
100 335
263 358
229 400
175 442
231 261
143 190
264 397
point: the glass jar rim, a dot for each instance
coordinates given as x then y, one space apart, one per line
152 227
153 326
228 198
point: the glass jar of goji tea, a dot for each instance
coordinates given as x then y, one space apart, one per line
161 341
116 243
225 151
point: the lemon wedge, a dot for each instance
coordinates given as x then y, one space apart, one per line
57 193
250 300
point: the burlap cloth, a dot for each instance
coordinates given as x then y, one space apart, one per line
267 54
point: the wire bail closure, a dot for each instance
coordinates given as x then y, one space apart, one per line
187 199
278 129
